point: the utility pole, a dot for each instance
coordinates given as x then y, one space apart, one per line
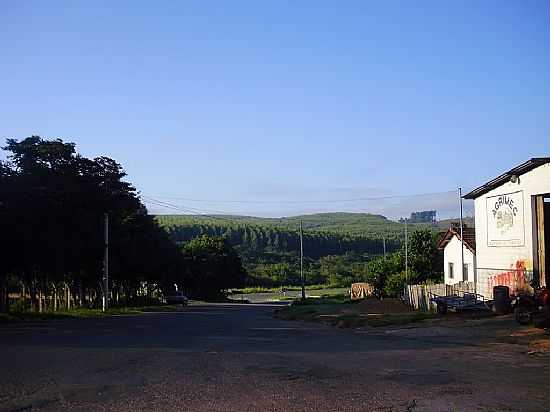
282 277
106 264
406 251
461 233
302 262
384 245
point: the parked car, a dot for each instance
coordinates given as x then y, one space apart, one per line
176 298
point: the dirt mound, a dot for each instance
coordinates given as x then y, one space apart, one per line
373 305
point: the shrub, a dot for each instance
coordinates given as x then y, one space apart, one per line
396 282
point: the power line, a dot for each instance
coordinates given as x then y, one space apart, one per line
190 209
231 216
389 197
194 212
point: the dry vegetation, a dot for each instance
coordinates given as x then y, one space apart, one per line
340 312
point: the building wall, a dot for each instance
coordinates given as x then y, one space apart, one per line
452 254
511 263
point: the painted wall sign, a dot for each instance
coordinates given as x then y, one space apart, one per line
505 224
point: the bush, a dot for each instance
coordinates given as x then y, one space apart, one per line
395 283
19 306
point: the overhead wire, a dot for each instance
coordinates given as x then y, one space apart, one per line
223 215
186 209
360 199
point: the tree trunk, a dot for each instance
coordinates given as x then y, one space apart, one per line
80 294
54 298
23 295
68 295
39 301
4 299
32 293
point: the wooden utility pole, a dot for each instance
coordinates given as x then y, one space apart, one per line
106 264
406 251
461 234
384 245
302 262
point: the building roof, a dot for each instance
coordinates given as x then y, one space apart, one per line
469 237
529 165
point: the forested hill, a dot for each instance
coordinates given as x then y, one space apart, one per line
357 224
348 224
269 247
267 243
267 237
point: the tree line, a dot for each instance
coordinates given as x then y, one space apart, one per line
271 254
52 207
256 240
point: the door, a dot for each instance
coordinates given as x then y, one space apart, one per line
542 238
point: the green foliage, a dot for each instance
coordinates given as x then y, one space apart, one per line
266 244
396 282
343 270
213 265
422 249
52 206
388 274
348 224
380 268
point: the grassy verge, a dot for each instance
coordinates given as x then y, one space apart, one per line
340 312
260 289
82 313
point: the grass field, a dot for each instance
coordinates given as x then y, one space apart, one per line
81 313
260 289
291 294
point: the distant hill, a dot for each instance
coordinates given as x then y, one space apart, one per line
359 224
354 224
264 243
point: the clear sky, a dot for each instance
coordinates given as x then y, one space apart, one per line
284 100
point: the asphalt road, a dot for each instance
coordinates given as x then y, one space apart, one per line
239 358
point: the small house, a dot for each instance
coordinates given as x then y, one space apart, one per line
512 221
456 267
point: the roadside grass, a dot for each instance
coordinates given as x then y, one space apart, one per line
83 313
341 312
261 289
288 295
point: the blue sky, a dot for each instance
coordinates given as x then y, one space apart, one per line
282 101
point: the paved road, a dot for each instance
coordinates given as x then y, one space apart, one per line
238 358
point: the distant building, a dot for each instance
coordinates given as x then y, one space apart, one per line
426 216
512 214
451 245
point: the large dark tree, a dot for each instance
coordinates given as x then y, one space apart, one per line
52 206
214 266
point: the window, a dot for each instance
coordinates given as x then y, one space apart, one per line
451 270
465 272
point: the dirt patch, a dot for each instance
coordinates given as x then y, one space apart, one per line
369 312
382 306
536 340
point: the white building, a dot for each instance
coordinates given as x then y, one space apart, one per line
452 255
512 221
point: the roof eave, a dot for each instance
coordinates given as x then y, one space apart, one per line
503 178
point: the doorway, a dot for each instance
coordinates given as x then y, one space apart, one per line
542 239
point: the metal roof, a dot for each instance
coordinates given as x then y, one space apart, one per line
469 237
529 165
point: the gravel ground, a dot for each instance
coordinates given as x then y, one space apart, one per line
239 358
